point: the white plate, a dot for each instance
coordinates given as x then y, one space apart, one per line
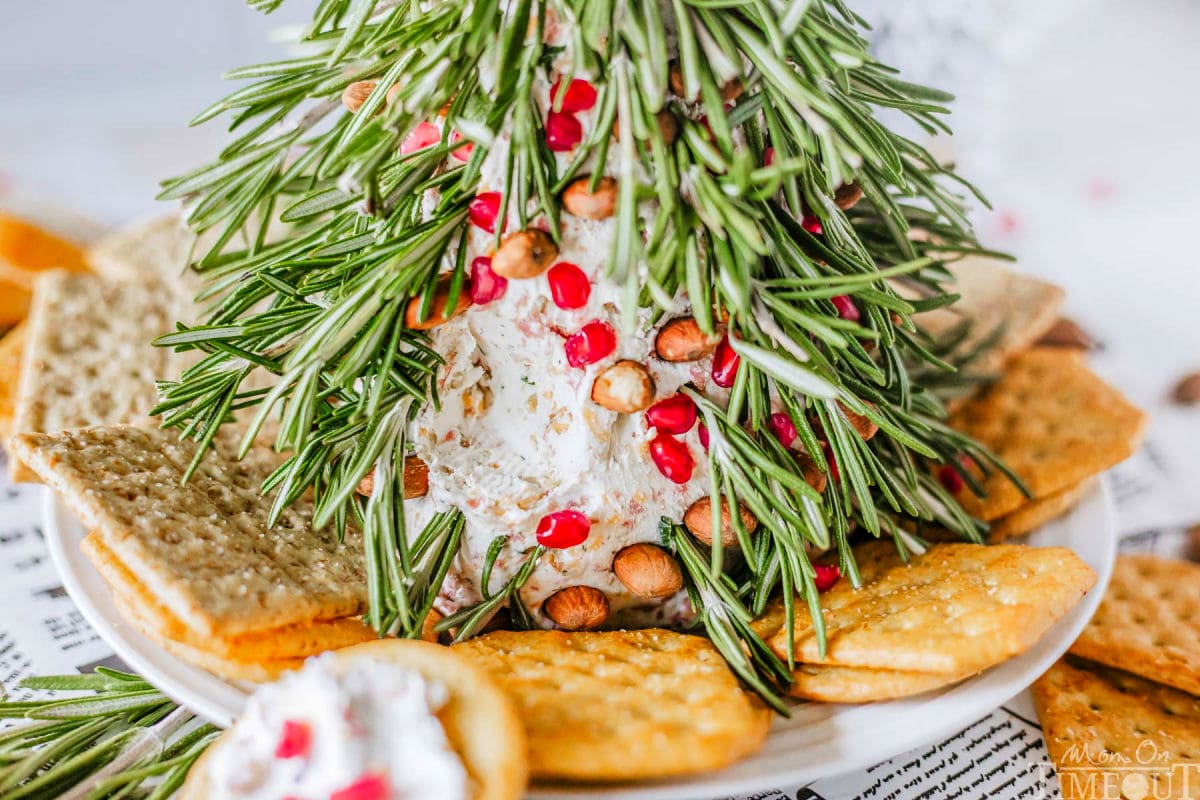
816 742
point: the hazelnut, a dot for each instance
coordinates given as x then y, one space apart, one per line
524 254
682 340
698 520
354 95
438 313
577 608
647 570
579 201
416 479
625 387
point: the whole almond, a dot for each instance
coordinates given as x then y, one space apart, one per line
354 95
438 313
577 608
862 426
626 387
524 254
1187 391
698 520
1067 333
732 90
579 201
681 340
847 196
647 570
812 473
416 479
428 634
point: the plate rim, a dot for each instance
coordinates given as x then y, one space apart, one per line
148 658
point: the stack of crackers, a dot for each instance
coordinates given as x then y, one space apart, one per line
1121 713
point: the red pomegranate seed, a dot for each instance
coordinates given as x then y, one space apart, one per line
569 285
725 363
784 429
563 132
846 308
461 153
827 575
589 344
563 529
675 414
948 476
580 95
296 741
486 285
812 224
768 156
829 459
484 209
422 136
703 434
365 787
672 458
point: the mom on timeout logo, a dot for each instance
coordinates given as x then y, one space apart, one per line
1149 773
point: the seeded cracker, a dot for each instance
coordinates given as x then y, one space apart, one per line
623 705
203 548
956 610
155 249
1037 513
12 348
1103 726
1149 622
1053 422
825 684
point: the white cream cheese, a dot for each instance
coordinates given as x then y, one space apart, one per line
322 729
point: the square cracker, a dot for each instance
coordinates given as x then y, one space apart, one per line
156 249
623 705
1148 622
955 610
203 548
1053 421
1112 734
1036 513
88 358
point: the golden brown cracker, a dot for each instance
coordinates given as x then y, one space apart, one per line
12 349
827 684
204 547
585 697
1148 622
956 609
1112 734
1036 513
1053 421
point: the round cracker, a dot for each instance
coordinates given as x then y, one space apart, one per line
480 720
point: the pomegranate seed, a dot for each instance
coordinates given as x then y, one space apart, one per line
827 575
768 156
948 476
563 529
703 434
675 414
831 461
563 132
365 787
784 429
580 95
296 741
672 458
846 308
422 136
725 363
590 344
461 153
486 285
484 209
812 224
569 285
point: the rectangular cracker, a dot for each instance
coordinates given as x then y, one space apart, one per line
1148 622
1053 421
203 548
1036 513
88 358
12 349
956 609
1109 731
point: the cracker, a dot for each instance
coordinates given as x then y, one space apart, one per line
1109 731
623 705
12 348
1053 421
955 610
1148 622
1036 513
203 547
480 720
826 684
156 249
295 641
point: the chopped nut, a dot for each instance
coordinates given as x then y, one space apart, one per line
1187 391
525 254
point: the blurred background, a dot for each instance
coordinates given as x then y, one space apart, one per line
1077 117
